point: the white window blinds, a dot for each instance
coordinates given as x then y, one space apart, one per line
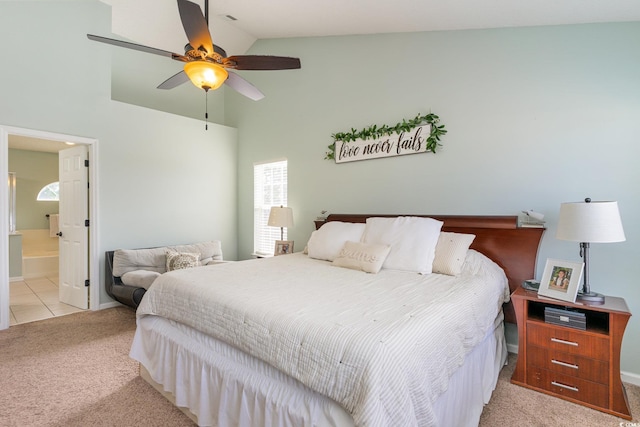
269 189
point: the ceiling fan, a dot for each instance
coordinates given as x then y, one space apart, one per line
207 65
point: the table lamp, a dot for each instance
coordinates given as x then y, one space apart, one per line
589 222
280 217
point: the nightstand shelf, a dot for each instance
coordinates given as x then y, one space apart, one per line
582 366
597 322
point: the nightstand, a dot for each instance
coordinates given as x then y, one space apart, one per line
582 366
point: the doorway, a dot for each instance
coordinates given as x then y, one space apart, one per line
49 141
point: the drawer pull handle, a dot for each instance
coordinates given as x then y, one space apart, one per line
568 365
568 387
564 342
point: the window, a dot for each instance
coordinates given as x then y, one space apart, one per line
269 189
49 193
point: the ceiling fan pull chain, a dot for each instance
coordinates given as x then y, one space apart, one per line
206 110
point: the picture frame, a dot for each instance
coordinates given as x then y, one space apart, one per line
561 279
283 247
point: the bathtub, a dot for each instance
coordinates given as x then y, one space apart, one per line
39 254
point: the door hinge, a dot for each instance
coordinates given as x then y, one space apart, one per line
86 282
86 163
86 222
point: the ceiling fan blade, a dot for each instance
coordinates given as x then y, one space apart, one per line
139 47
261 62
174 81
244 87
195 26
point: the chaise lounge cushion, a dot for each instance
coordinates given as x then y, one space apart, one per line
154 259
130 272
140 278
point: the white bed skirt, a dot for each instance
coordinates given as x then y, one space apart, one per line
222 386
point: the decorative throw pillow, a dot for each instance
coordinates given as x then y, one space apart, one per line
326 242
412 239
451 252
362 256
140 278
180 260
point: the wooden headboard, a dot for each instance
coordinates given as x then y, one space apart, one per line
498 237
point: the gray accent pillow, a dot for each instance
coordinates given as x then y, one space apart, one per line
180 260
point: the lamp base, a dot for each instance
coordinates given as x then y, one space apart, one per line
590 298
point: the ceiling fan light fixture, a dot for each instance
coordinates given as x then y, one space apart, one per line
206 75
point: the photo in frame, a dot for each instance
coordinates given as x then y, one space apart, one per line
283 247
561 279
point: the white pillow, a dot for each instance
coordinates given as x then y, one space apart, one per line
451 252
412 239
326 242
139 278
362 256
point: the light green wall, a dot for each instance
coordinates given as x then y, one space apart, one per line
60 84
171 182
162 179
33 171
536 117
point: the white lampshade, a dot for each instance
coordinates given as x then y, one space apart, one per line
281 217
593 222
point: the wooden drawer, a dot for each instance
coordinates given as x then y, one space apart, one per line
568 386
567 340
569 364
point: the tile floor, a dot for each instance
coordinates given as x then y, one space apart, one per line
36 299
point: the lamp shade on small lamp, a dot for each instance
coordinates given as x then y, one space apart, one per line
595 222
589 222
280 216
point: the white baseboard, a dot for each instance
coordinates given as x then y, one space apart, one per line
16 279
512 348
109 305
631 378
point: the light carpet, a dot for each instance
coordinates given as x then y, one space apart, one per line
75 371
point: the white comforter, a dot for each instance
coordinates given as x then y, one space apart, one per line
383 346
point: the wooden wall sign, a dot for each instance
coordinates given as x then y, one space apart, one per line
419 135
412 142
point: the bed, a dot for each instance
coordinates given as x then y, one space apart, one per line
296 340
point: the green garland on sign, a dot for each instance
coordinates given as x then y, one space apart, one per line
375 132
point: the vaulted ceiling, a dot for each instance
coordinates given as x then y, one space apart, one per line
156 22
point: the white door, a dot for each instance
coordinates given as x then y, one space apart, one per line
74 232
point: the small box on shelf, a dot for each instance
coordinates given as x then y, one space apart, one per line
563 317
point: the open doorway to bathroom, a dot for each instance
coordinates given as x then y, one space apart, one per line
34 259
32 290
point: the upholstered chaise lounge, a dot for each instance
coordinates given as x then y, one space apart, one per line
130 272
